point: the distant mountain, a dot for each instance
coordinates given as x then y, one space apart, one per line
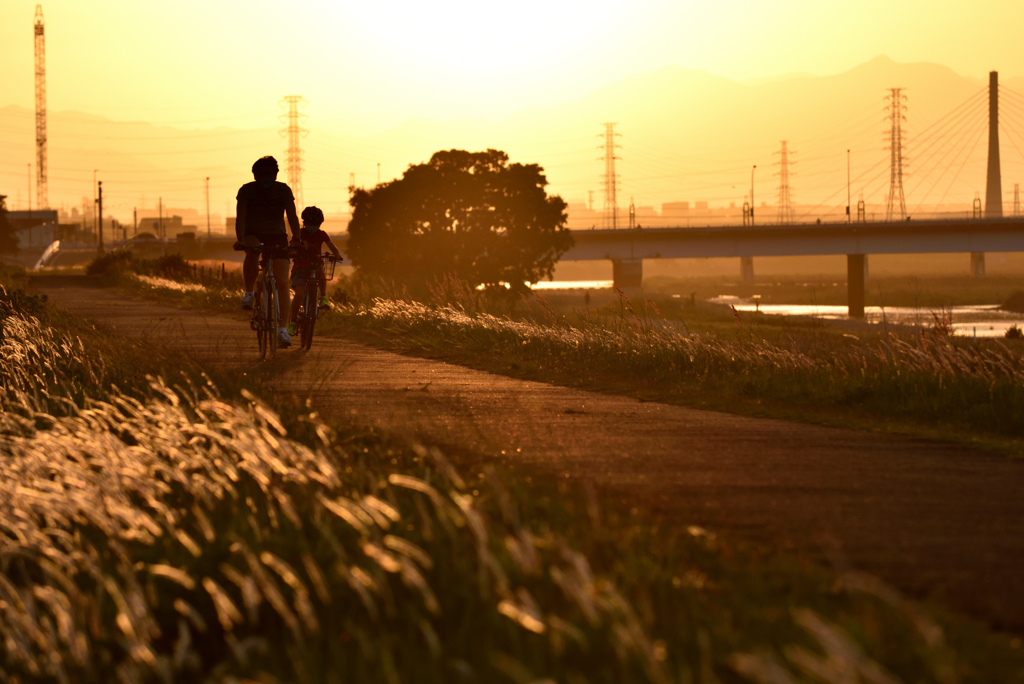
689 135
683 135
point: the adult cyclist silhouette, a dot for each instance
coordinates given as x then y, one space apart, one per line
262 207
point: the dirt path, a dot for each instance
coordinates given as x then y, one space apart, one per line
934 519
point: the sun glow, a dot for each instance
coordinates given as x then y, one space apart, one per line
466 38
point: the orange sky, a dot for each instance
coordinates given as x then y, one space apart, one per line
364 69
376 64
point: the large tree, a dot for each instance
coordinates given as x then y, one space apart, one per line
8 238
471 214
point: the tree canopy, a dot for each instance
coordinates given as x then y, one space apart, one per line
8 238
471 214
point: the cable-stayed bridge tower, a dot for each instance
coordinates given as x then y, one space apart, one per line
786 213
994 182
611 180
40 39
896 205
293 157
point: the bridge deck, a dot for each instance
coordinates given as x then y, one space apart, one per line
909 237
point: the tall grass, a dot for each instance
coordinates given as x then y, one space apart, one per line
174 532
170 531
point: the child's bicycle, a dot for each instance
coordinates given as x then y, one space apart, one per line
309 308
265 319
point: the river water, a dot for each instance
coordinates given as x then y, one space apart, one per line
986 320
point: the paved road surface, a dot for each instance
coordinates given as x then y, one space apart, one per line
936 520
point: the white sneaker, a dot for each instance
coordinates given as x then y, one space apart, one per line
283 338
247 300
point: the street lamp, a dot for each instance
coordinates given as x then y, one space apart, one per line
752 195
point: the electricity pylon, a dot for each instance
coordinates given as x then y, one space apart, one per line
41 195
293 157
785 199
896 204
611 181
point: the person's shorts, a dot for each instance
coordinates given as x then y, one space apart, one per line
272 239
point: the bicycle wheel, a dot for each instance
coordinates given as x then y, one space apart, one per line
259 319
273 316
309 317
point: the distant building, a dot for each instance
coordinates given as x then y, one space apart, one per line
34 228
168 227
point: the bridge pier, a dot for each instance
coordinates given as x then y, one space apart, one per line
628 273
856 267
747 269
977 264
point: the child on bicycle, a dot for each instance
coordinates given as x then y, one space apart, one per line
308 245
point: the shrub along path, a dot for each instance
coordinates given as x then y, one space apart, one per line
935 519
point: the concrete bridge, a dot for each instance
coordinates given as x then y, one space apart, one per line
627 249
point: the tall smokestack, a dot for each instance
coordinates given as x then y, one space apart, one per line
994 186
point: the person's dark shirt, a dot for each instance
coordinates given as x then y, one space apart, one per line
265 204
310 245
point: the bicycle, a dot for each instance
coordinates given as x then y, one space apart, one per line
309 309
266 310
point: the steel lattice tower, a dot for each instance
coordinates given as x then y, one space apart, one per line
293 157
785 200
896 202
611 181
41 196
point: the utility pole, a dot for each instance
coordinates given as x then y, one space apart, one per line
752 194
207 207
99 213
848 217
94 225
896 203
293 158
42 201
632 214
747 262
160 229
785 205
135 221
1016 199
611 181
